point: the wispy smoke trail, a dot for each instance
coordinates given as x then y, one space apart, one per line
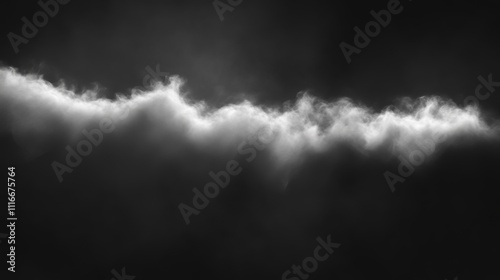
35 109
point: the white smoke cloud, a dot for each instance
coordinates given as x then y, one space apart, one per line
34 109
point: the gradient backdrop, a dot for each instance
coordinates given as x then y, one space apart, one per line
120 206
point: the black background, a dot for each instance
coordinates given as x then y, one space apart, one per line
119 208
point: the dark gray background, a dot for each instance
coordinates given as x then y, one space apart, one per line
120 207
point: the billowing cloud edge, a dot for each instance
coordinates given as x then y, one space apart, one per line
33 108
